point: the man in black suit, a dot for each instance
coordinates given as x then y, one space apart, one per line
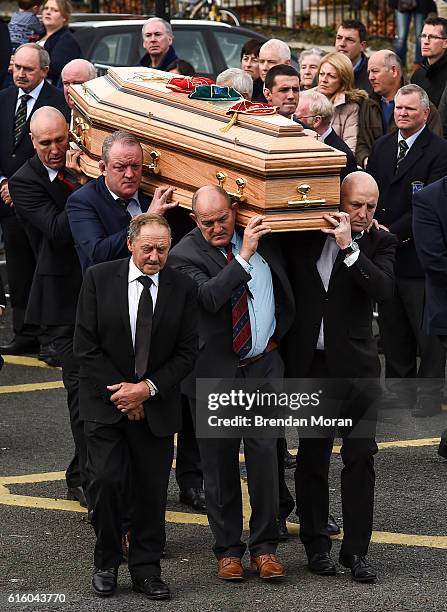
316 111
232 270
39 190
18 103
136 340
340 274
99 214
403 163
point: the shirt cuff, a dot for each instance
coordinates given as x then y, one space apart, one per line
351 259
247 267
2 178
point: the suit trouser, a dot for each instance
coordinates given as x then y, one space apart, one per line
400 322
220 459
357 481
76 474
20 265
111 450
188 468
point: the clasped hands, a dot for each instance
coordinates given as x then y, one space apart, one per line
129 398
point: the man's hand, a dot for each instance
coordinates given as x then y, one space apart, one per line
376 225
161 201
129 396
72 163
4 193
341 229
253 233
134 415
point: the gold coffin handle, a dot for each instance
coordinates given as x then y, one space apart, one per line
80 128
304 190
153 167
240 184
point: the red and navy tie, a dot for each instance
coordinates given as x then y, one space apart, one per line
240 316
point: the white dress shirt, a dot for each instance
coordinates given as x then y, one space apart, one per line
32 100
134 206
134 290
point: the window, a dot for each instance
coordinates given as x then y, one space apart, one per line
113 50
231 44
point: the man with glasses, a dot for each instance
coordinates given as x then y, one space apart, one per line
432 75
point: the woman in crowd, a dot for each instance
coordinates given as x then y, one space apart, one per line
58 40
309 62
336 82
250 65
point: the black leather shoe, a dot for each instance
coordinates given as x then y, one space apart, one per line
289 460
153 587
20 346
104 581
49 355
333 527
77 494
322 564
193 497
361 570
283 532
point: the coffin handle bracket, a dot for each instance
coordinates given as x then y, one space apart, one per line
240 184
153 166
305 202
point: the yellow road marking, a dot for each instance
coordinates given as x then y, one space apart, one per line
31 362
32 478
26 388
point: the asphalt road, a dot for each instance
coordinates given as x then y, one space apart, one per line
46 545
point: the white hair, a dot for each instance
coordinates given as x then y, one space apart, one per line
237 79
319 105
278 45
166 25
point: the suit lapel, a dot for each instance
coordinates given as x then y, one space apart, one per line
164 295
58 191
214 253
10 112
122 298
412 157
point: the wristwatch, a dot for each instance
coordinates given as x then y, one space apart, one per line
350 249
150 386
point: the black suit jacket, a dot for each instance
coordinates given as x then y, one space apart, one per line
62 47
5 52
13 157
40 204
216 279
334 140
103 344
425 162
347 306
430 238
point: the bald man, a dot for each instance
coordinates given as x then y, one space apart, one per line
341 272
237 272
76 72
39 190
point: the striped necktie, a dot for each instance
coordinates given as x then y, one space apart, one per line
20 118
403 150
240 316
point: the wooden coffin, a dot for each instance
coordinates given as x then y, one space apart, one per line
266 162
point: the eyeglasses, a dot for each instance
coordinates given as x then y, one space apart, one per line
308 116
430 37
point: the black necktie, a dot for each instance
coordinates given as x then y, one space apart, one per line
144 327
403 150
20 118
124 204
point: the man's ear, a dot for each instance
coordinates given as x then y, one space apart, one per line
32 139
102 167
193 217
268 95
363 43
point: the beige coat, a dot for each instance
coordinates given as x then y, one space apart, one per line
345 121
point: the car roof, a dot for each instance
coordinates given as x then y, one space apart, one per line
192 23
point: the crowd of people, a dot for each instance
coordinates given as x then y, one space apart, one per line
96 288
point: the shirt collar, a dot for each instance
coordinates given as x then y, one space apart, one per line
411 139
34 93
52 173
325 134
358 63
135 273
116 197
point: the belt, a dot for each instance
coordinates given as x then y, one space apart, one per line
271 346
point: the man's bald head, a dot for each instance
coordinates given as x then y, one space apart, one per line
49 135
385 73
214 214
76 72
359 195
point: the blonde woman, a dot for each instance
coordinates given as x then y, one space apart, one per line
336 82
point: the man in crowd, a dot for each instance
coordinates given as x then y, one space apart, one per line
157 40
432 75
272 53
76 72
237 79
342 273
136 340
376 116
316 111
39 190
403 163
18 103
282 89
351 40
240 281
99 214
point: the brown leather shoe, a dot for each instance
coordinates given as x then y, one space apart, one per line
230 568
268 566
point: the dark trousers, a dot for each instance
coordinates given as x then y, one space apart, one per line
188 468
357 478
286 501
20 266
400 322
76 474
220 460
113 452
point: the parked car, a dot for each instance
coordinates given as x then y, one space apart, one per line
209 46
